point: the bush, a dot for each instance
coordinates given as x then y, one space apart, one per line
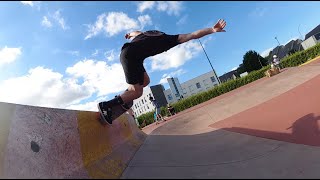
290 61
301 57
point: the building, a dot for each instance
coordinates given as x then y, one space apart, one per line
175 93
293 46
229 76
311 41
196 85
286 50
314 31
143 105
312 38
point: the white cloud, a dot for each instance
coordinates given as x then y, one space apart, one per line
96 74
111 55
43 87
96 52
145 5
57 16
88 106
172 74
116 22
258 12
74 53
266 52
9 55
170 7
176 56
144 20
30 3
234 68
45 22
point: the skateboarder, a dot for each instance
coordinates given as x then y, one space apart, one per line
142 46
276 62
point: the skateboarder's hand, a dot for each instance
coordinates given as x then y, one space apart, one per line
218 27
127 36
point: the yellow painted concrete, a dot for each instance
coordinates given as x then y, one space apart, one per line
100 145
309 61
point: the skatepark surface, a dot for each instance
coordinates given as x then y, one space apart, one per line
266 129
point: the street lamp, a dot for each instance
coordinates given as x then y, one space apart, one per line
279 45
300 32
277 40
210 62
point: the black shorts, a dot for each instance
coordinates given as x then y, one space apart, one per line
133 54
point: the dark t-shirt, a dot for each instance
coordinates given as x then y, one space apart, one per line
147 34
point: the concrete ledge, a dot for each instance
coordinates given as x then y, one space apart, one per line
38 142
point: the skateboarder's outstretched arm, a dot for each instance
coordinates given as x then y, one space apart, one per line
218 27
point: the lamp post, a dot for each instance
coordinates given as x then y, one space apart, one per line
299 31
209 62
277 40
279 45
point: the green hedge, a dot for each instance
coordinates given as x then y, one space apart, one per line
290 61
301 57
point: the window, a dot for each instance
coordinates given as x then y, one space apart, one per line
198 85
169 97
184 91
190 88
205 82
213 79
177 95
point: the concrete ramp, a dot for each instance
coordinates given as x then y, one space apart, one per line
38 142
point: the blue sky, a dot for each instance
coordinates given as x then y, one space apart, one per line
66 54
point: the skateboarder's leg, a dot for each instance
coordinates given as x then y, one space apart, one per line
135 91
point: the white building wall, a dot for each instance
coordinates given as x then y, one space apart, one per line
143 105
311 41
199 84
194 86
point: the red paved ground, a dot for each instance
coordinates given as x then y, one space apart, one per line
292 117
148 129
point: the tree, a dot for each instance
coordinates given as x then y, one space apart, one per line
241 69
253 61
